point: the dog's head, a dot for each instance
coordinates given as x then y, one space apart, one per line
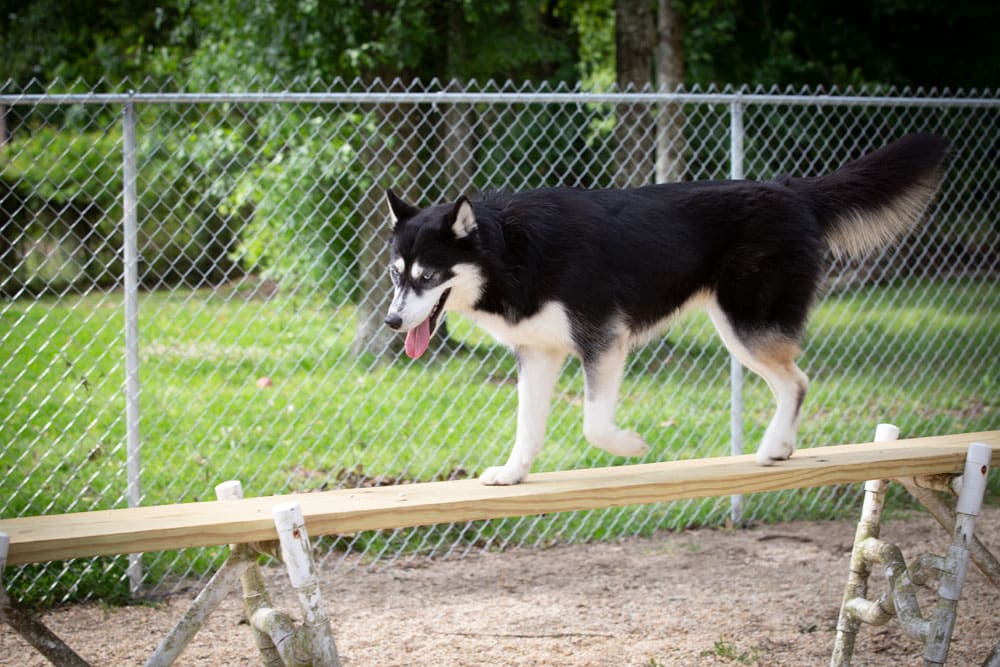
433 265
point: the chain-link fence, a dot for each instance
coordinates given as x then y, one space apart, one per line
193 286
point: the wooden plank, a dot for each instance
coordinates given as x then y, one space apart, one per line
157 528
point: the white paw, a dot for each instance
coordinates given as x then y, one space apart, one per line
620 443
503 475
772 450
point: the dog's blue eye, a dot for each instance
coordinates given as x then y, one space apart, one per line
428 276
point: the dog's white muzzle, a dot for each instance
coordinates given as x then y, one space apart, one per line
418 315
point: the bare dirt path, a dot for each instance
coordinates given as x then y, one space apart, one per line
765 596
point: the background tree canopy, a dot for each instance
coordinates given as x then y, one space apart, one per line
900 42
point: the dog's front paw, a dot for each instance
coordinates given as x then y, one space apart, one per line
503 475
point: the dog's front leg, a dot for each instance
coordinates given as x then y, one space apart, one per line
537 372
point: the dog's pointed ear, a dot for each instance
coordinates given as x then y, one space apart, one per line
463 219
399 210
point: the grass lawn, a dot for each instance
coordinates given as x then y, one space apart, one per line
924 355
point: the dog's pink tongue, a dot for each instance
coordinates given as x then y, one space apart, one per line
418 339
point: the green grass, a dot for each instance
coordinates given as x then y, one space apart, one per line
923 355
728 651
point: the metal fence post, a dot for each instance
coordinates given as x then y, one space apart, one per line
735 368
131 295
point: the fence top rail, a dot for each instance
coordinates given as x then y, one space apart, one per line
452 97
163 527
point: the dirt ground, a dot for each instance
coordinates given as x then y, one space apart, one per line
764 596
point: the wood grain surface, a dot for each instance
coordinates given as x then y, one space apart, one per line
161 527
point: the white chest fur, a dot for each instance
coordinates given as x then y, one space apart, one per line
548 328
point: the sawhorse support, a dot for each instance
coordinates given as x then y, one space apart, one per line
900 599
30 628
280 641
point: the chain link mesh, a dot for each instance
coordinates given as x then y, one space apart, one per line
262 242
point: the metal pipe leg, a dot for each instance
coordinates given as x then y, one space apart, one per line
956 564
945 516
869 526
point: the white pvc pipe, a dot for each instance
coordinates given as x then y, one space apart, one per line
886 433
855 607
230 490
977 467
296 552
295 547
281 631
871 509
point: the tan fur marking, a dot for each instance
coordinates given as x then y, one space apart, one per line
774 347
856 233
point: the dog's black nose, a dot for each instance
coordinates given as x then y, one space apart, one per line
394 321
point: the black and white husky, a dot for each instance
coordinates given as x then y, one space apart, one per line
564 271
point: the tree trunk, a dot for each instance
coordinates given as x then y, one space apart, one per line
670 142
458 144
12 206
634 135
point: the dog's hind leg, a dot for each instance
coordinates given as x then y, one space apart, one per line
774 360
771 355
603 378
537 372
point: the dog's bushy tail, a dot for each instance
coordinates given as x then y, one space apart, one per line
868 203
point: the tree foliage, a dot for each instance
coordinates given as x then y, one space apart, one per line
72 40
203 42
306 40
893 42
